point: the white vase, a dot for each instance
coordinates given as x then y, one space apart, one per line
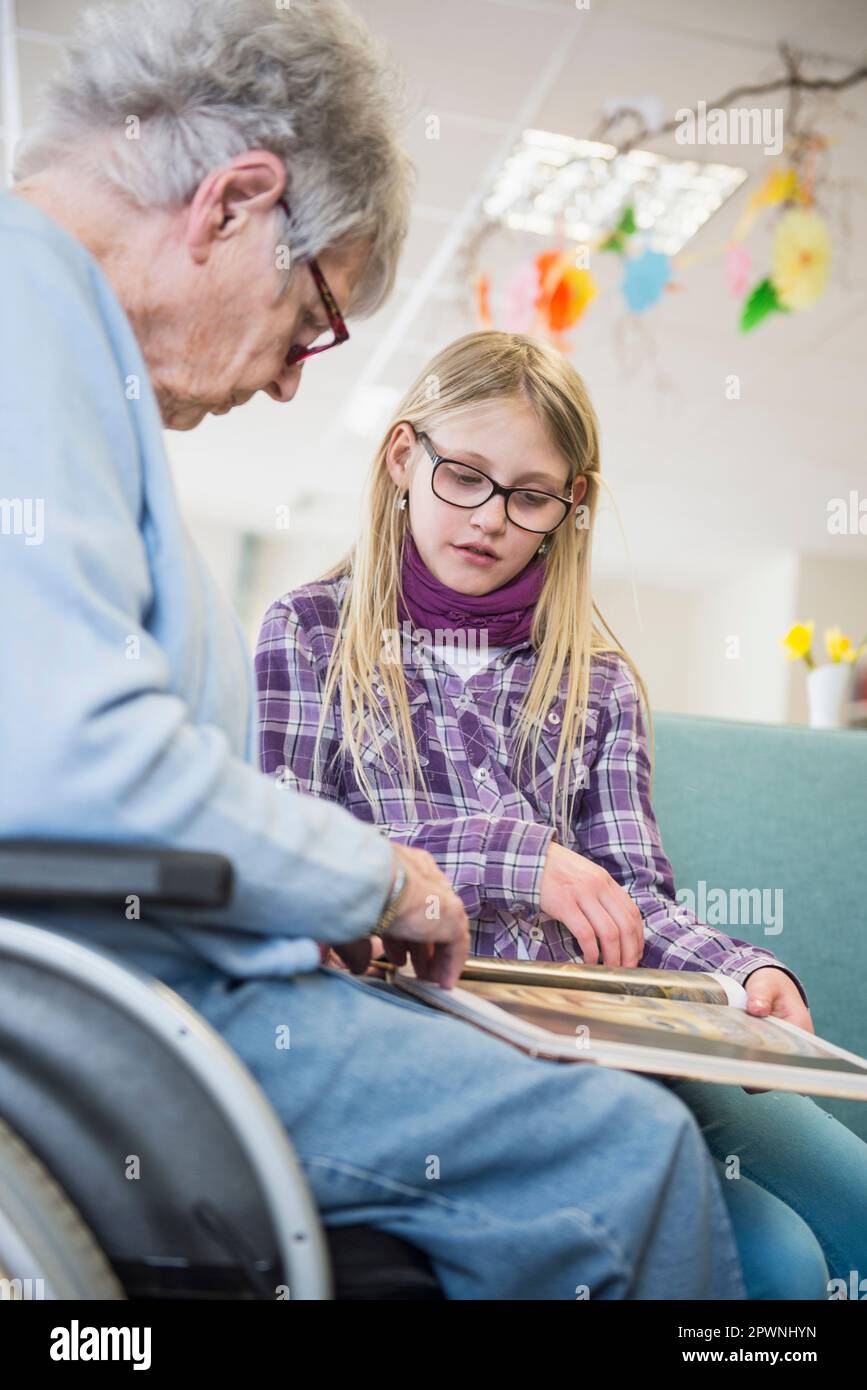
828 694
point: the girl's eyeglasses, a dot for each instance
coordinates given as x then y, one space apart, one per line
337 332
461 485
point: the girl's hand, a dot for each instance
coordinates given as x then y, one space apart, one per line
592 906
771 993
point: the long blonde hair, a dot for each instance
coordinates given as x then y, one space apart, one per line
474 370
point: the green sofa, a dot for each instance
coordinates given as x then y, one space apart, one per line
771 806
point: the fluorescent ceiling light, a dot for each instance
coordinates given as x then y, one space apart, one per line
589 185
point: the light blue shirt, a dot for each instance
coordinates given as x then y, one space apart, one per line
126 700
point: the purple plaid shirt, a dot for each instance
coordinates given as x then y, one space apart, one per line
488 829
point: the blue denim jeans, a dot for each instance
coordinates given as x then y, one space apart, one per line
797 1195
520 1178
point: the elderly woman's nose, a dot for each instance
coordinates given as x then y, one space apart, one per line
286 383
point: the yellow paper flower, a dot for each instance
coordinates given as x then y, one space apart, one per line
780 186
840 648
802 255
797 641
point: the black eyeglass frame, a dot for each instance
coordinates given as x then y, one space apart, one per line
336 322
496 488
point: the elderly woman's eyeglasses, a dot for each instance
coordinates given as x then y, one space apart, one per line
461 485
336 333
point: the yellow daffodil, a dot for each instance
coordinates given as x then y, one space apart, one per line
797 641
840 648
801 257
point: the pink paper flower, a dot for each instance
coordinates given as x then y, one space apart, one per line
522 291
738 265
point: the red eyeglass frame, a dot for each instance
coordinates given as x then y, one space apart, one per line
336 322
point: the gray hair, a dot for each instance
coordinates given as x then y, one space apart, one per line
196 84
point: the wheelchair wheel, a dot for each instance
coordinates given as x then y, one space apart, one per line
46 1250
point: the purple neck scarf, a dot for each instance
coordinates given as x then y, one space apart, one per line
506 614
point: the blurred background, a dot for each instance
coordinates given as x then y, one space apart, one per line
725 352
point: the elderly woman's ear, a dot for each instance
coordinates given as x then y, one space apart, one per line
250 183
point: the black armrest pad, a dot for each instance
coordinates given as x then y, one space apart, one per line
68 872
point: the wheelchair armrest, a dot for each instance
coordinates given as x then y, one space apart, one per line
67 872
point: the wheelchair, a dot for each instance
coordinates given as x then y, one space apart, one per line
139 1158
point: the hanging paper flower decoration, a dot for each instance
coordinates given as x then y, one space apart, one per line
625 228
738 264
544 296
781 186
522 292
801 257
759 304
801 251
548 295
483 300
644 280
564 290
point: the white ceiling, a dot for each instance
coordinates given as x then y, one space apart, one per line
703 485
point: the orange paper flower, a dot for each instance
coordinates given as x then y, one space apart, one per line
564 290
483 300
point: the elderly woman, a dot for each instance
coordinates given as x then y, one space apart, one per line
212 186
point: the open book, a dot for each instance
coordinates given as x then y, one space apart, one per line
663 1022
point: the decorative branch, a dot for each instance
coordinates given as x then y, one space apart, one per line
794 82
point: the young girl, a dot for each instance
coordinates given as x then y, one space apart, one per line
472 707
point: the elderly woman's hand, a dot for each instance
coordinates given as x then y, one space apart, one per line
353 955
436 941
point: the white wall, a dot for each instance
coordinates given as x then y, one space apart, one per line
655 625
712 650
223 549
739 669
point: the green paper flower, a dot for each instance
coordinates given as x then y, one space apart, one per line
626 227
759 303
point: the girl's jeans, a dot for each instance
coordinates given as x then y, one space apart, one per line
799 1206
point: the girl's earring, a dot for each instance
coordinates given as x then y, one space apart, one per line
400 502
545 546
